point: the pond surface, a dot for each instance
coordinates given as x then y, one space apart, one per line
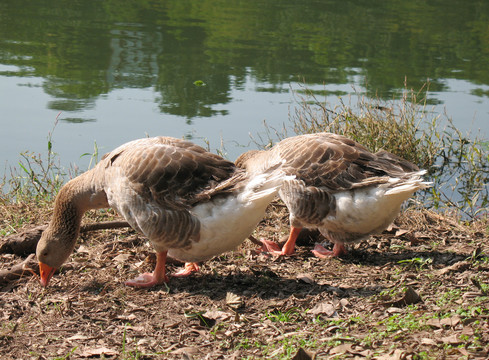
116 71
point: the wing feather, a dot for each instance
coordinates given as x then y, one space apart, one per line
154 182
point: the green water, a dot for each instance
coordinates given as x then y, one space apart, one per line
117 70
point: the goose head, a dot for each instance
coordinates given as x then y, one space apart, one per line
58 240
53 249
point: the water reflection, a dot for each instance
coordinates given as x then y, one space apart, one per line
120 70
85 49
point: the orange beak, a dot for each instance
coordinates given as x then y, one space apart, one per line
46 273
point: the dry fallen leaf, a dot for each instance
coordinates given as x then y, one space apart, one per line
77 337
410 297
217 315
463 351
307 278
99 352
450 322
435 323
452 340
397 354
122 258
188 350
457 267
341 349
427 341
234 301
400 232
468 331
325 308
82 249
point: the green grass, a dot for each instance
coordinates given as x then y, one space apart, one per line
395 327
449 297
419 263
406 322
290 315
127 354
37 178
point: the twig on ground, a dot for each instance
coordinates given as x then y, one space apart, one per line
25 242
26 267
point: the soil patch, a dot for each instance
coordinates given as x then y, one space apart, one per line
418 291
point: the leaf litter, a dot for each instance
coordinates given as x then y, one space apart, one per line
384 300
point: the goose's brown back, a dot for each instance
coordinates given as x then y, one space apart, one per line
169 171
330 161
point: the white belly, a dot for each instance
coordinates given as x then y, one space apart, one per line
225 224
365 211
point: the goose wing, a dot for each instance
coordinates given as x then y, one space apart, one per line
154 182
337 163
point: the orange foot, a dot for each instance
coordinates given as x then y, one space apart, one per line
321 252
270 247
158 276
287 249
187 270
146 280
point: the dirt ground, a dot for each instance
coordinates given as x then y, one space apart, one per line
418 291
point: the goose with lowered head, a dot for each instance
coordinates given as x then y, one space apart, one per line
190 204
341 188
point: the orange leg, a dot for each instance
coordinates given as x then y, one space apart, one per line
287 249
189 268
158 276
321 252
339 249
289 246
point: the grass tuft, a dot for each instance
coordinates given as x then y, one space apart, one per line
37 178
